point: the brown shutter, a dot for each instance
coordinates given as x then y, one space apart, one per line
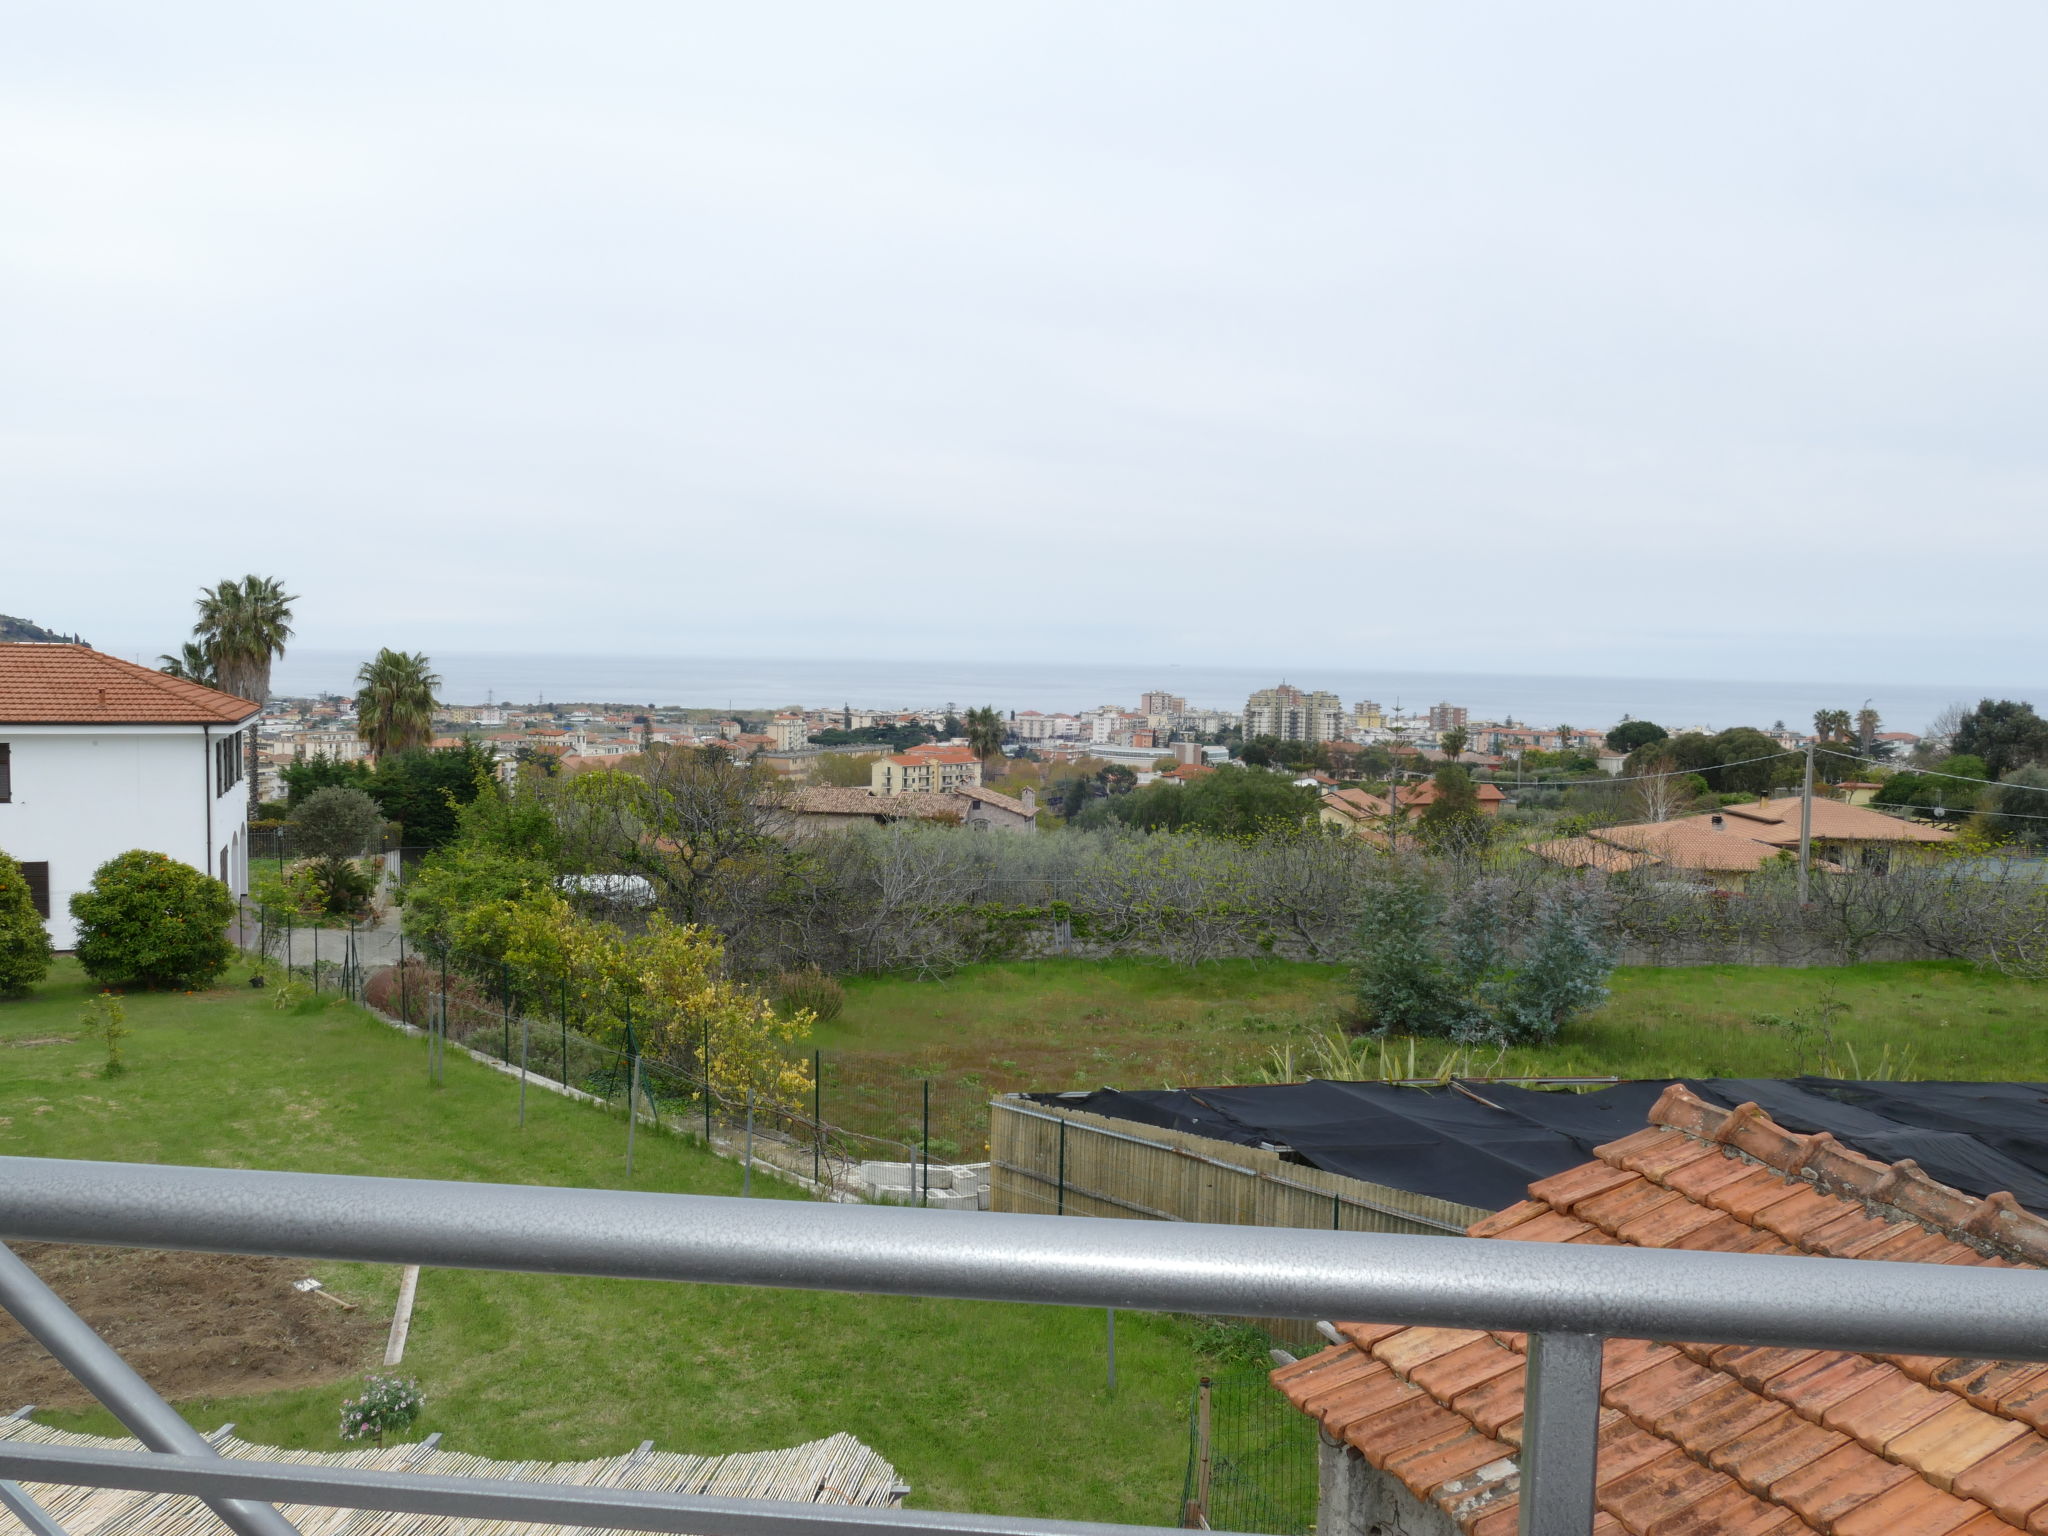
6 772
38 877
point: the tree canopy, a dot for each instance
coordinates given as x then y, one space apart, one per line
1231 802
2006 733
1630 734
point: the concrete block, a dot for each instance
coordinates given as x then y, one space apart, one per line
885 1173
952 1200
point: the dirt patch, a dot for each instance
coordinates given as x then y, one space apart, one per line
194 1324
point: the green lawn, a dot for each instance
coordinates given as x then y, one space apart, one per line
1054 1024
981 1406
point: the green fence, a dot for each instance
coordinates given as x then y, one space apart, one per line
1252 1459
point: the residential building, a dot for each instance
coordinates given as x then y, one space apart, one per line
1160 702
1365 814
1366 715
99 756
933 768
827 808
1292 715
788 731
1734 842
1030 726
1421 1427
1445 717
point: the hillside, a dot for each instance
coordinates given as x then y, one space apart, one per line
12 628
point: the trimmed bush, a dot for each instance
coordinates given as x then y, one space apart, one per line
24 943
335 823
149 921
810 989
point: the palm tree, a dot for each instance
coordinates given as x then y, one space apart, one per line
395 702
243 626
1454 741
191 663
985 731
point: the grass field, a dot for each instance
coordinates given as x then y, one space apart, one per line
981 1406
1055 1024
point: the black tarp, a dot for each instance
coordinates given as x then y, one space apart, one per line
1482 1143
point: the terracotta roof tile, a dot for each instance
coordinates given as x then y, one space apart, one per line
1697 1180
1561 1189
1636 1198
1774 1450
1829 1486
1658 1488
44 684
1954 1440
1447 1375
1884 1409
1412 1347
1501 1222
1912 1508
1731 1510
1730 1439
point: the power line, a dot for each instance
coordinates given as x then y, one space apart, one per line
1931 773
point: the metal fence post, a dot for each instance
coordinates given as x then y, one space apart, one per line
747 1158
817 1119
924 1150
565 1031
706 1064
1560 1434
632 1088
316 957
1199 1515
525 1046
404 992
1060 1207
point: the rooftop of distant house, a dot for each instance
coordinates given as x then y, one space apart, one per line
1721 1438
43 683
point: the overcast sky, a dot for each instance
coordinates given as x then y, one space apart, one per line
1624 338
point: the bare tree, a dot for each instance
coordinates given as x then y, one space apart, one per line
1659 792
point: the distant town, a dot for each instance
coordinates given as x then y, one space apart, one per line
1154 737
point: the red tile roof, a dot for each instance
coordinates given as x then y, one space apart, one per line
1727 1438
44 684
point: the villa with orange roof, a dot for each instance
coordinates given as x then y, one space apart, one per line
99 756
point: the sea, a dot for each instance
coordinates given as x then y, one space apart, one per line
755 685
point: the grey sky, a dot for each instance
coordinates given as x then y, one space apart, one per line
1602 338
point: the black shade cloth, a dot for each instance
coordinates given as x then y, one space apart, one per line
1482 1144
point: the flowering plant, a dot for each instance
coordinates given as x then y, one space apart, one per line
388 1404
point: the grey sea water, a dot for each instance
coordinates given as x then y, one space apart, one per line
764 683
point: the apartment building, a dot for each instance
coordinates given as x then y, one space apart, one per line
1290 714
1445 717
935 767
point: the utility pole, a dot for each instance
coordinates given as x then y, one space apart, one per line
1806 828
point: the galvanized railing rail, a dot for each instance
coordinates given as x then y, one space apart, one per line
1567 1298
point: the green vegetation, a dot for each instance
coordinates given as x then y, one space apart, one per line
149 921
1057 1024
981 1406
24 943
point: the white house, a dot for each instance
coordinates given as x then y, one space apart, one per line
98 756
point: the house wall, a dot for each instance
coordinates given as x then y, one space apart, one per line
1356 1499
84 794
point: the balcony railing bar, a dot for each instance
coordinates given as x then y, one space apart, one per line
591 1508
1567 1298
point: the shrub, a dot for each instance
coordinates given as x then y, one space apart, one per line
335 823
149 921
107 1017
810 990
389 1405
24 942
341 887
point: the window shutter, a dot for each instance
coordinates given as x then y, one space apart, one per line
6 772
38 877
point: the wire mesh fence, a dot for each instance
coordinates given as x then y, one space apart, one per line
1252 1458
540 1030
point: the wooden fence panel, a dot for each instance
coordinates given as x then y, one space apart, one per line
1067 1162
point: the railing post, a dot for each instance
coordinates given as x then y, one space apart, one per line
1560 1434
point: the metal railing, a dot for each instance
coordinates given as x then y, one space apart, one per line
1567 1299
